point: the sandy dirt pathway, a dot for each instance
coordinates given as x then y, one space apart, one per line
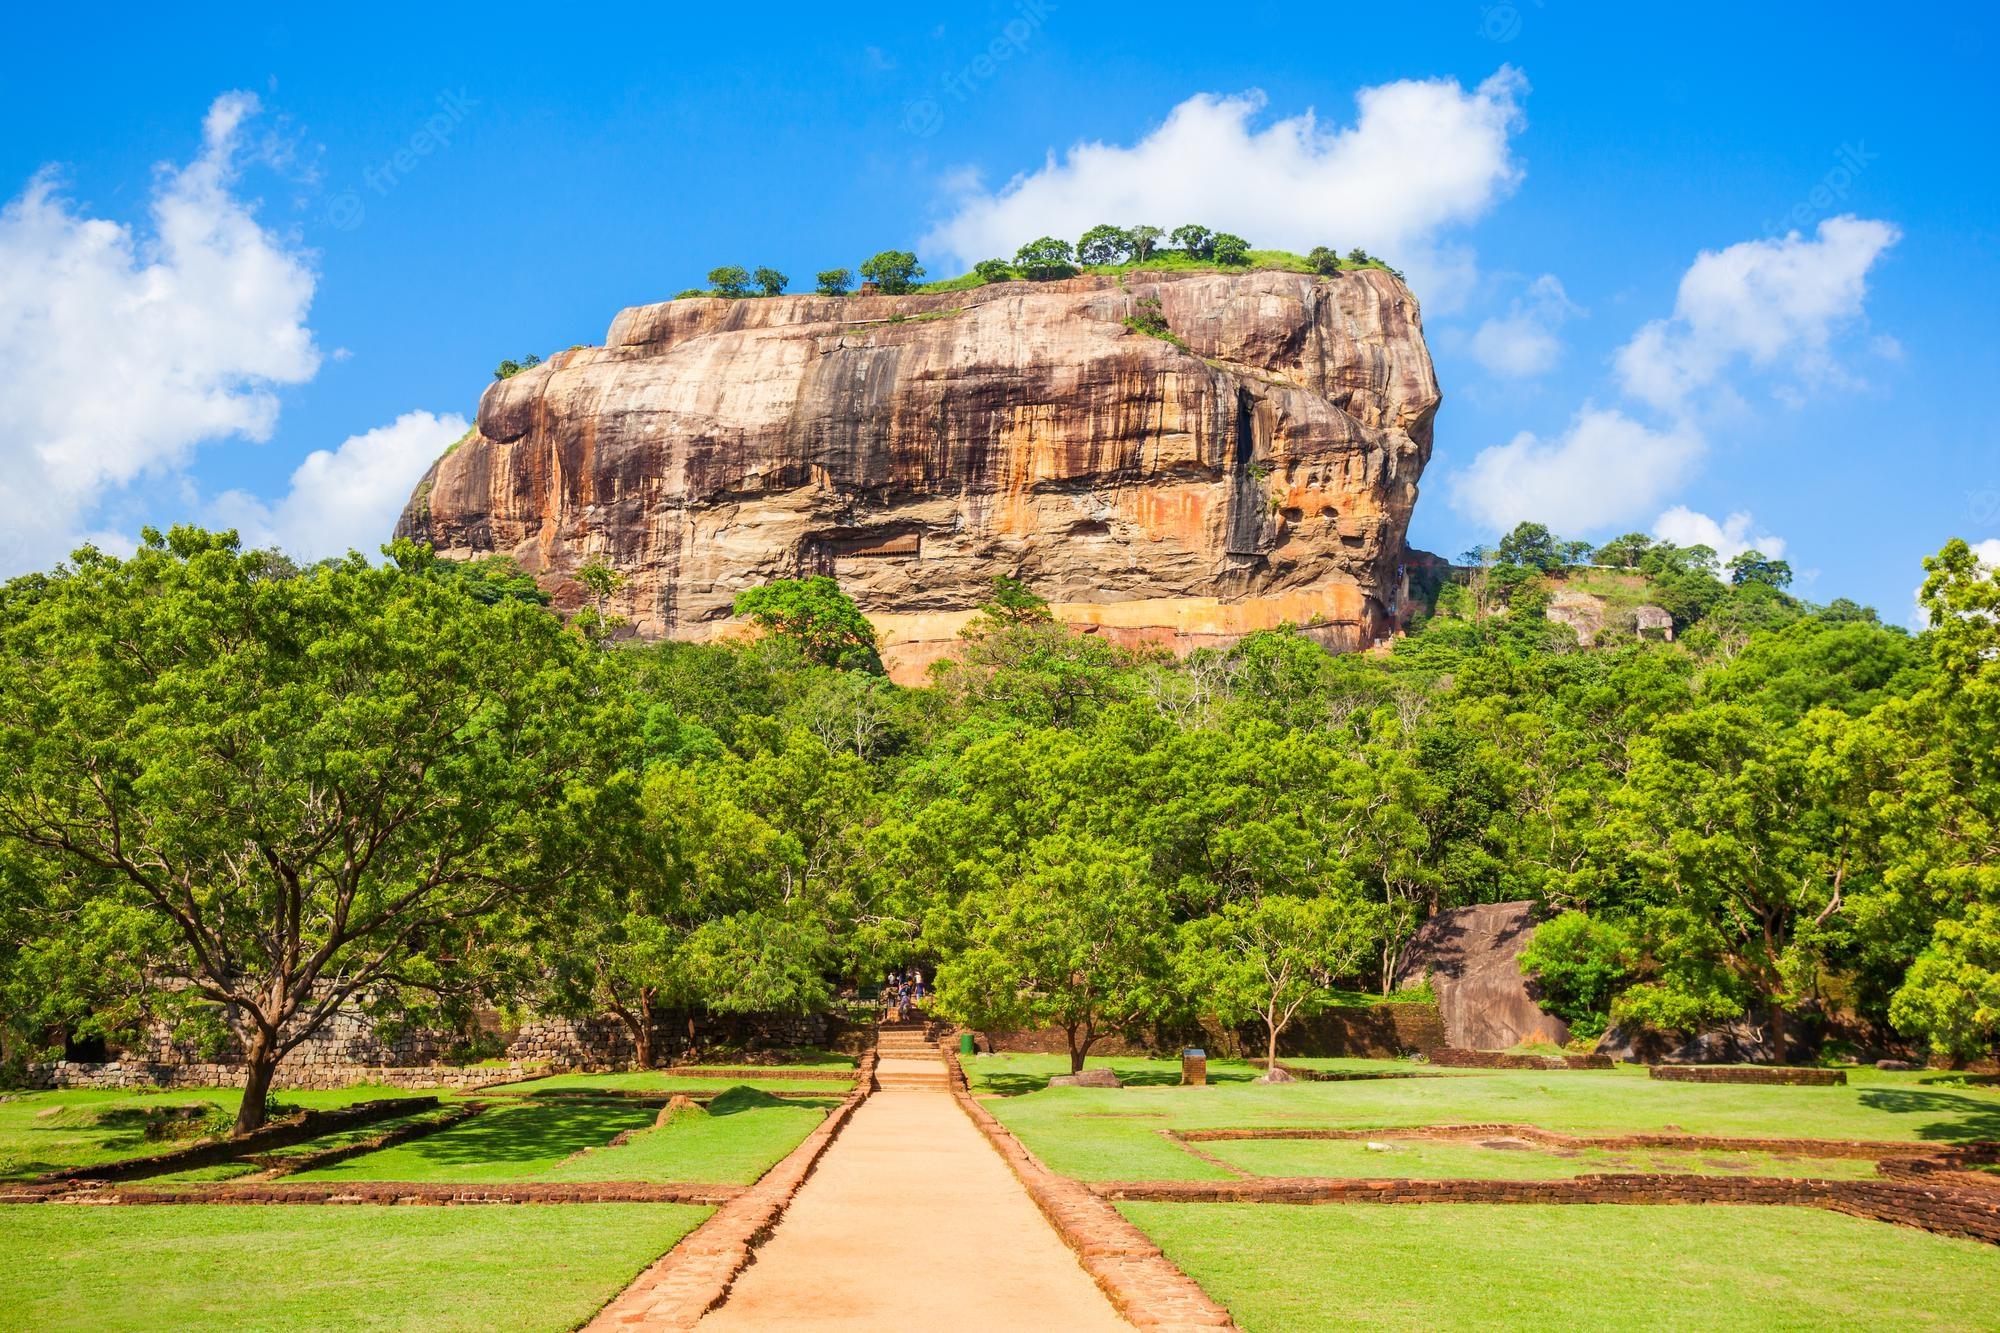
912 1221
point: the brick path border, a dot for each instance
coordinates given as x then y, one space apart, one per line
695 1276
1945 1211
377 1192
1788 1075
1146 1287
1978 1151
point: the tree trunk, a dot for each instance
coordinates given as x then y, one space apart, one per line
261 1063
1777 1032
642 1043
1075 1051
1271 1049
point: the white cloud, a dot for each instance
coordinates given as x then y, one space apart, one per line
1728 539
1522 343
1421 156
125 348
1606 468
1776 304
345 498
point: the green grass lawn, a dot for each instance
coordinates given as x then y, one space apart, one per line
53 1131
1102 1134
279 1268
1539 1267
1417 1159
663 1081
735 1140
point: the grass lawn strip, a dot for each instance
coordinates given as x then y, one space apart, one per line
667 1081
63 1130
1419 1159
1098 1134
280 1268
1468 1266
734 1140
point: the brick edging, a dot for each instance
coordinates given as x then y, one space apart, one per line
1786 1075
1945 1211
1864 1149
694 1277
1146 1287
383 1192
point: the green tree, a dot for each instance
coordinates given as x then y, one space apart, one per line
835 281
1580 963
1076 942
1530 546
600 582
319 783
1275 958
509 368
1756 567
816 615
993 270
1624 552
1227 248
1104 244
1323 260
729 280
1145 240
1194 241
770 281
894 272
1045 258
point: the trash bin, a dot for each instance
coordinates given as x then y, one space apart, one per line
1194 1067
965 1043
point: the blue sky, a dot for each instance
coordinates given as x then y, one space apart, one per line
308 293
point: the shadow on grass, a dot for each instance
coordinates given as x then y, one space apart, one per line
1971 1117
529 1135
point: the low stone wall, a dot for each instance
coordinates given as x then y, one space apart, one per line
1451 1057
1859 1149
1946 1212
695 1276
1384 1031
1785 1074
1367 1032
143 1074
1144 1285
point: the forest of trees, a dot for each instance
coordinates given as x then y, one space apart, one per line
233 786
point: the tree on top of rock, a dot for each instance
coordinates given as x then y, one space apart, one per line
1104 244
1044 258
1197 242
770 281
817 616
729 280
894 272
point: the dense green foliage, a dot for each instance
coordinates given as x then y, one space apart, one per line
238 789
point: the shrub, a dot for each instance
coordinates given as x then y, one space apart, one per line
835 281
993 270
509 368
1227 248
1323 260
1582 962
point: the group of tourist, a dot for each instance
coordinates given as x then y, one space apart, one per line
903 991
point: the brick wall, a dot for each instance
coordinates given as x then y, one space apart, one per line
1451 1057
1818 1078
1378 1031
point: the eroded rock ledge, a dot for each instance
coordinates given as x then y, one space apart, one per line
1256 465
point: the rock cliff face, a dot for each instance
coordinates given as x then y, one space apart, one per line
1252 460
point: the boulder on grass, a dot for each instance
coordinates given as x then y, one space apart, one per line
677 1106
1276 1075
1089 1078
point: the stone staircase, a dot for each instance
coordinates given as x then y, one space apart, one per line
907 1056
